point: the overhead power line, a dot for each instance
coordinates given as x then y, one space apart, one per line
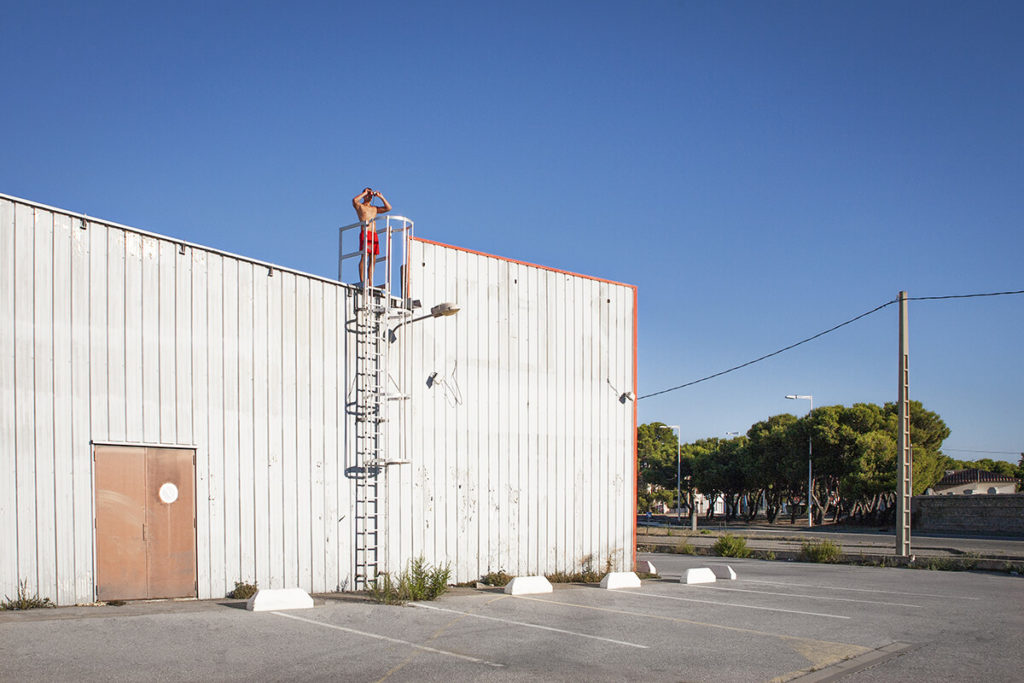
822 334
961 296
975 450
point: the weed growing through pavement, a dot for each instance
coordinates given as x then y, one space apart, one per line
498 578
419 581
243 590
586 573
24 600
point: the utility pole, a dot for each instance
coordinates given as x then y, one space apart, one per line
905 464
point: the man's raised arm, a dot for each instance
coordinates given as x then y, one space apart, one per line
387 205
359 197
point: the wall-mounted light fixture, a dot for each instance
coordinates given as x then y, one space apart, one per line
441 310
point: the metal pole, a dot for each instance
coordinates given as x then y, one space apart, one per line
810 470
905 464
693 507
679 486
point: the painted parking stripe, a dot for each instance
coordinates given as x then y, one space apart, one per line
529 625
847 649
863 590
800 595
396 641
733 604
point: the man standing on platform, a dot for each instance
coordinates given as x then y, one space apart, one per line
369 245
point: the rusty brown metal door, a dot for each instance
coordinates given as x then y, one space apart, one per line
145 523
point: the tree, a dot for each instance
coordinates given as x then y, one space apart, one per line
771 464
927 432
656 449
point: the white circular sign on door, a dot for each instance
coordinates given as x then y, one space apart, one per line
168 493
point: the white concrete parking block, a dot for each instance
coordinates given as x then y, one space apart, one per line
277 599
646 567
616 580
528 585
697 575
723 571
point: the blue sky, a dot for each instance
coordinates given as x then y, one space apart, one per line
761 171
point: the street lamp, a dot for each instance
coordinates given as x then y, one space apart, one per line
689 479
810 452
679 470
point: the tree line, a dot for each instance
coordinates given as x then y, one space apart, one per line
854 464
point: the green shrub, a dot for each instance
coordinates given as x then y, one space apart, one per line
498 578
24 600
243 590
419 581
820 551
684 548
728 545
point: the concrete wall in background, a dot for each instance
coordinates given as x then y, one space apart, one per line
1001 514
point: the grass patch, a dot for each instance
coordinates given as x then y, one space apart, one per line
243 590
24 600
728 545
964 563
820 551
419 581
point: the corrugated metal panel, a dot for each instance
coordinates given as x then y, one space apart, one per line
522 453
112 335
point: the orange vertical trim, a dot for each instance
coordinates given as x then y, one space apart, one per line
636 462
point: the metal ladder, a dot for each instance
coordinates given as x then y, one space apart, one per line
375 308
371 428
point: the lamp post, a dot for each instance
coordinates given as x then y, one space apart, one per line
679 470
810 452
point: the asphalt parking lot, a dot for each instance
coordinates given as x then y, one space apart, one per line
777 621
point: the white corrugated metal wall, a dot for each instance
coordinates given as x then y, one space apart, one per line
522 459
125 337
522 454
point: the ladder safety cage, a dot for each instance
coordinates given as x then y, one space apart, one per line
376 307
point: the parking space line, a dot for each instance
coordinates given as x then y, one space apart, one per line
529 625
732 604
800 644
801 595
396 641
863 590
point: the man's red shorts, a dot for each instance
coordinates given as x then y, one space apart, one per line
374 241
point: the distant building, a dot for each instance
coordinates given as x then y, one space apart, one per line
974 481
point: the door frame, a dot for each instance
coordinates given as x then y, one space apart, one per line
93 445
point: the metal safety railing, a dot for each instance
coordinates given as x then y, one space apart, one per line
396 232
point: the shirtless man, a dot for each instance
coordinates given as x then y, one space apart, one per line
368 242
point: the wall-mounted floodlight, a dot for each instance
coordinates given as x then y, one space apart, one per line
441 310
627 396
